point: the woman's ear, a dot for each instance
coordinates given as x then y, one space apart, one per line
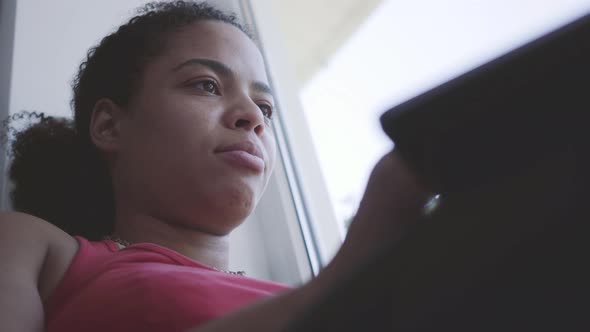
105 124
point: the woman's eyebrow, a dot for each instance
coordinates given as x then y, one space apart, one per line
262 88
214 65
223 70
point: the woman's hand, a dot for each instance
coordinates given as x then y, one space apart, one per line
393 199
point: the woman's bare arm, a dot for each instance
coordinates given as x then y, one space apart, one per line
25 245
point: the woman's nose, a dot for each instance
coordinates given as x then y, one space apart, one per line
247 116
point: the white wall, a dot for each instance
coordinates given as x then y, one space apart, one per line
7 22
52 38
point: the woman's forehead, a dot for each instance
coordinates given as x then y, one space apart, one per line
217 41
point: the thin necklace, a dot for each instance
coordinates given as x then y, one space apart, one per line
122 244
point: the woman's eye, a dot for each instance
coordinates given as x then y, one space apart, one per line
266 110
208 86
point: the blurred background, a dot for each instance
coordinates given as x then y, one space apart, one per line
354 59
335 65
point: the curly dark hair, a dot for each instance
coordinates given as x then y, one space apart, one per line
56 171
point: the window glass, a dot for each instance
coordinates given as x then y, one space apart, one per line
352 60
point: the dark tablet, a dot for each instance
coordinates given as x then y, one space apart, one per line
497 119
506 250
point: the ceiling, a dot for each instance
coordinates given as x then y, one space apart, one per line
314 30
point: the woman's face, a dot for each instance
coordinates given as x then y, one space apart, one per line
196 144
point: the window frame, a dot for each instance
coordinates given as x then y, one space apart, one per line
321 231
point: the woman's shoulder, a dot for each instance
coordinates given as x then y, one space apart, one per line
35 239
27 228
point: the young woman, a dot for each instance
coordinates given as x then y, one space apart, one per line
170 149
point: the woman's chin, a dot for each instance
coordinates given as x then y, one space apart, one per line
223 206
237 196
233 207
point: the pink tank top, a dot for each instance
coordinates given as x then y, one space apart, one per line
144 287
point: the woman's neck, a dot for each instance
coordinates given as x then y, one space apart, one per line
208 249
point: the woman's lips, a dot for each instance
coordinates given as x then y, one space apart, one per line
243 154
240 158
